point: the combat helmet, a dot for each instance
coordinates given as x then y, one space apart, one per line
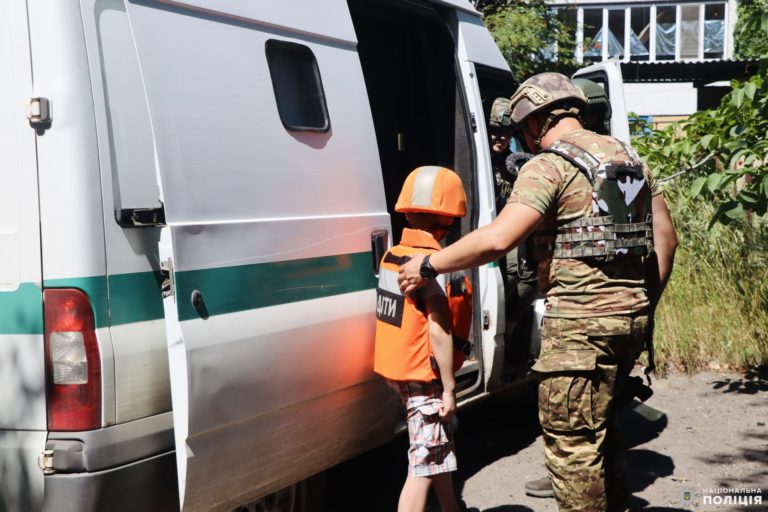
500 114
599 119
432 189
547 92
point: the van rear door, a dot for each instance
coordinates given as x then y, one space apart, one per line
22 375
608 75
273 198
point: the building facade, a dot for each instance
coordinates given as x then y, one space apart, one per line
655 41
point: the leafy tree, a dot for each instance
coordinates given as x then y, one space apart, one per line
722 154
751 27
532 36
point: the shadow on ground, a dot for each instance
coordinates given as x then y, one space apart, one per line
753 381
640 504
496 428
757 453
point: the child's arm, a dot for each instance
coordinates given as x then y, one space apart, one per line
439 321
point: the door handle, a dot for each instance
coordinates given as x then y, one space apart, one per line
379 240
199 304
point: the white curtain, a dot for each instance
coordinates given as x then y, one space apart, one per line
714 32
636 46
665 39
615 48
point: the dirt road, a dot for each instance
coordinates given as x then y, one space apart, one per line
712 436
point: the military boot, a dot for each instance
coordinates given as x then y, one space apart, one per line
541 488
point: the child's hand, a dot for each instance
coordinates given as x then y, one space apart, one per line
448 406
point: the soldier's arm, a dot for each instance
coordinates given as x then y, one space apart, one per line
486 244
664 245
439 323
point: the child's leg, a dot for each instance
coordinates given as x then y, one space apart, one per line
443 485
413 497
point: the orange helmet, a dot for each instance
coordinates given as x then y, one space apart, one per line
433 189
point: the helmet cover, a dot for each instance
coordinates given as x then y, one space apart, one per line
542 91
499 117
599 104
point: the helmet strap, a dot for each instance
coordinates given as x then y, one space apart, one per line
556 115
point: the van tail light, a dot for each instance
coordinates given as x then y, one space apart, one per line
73 365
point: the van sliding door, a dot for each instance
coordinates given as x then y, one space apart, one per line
272 189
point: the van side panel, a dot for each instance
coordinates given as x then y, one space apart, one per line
22 372
271 228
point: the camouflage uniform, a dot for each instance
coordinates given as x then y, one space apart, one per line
596 317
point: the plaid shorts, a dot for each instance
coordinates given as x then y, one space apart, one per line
432 450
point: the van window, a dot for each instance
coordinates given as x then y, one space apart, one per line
130 131
297 85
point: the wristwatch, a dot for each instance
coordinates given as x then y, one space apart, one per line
427 271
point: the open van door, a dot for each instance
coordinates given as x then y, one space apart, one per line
485 74
274 220
608 75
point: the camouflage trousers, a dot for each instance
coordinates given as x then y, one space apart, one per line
584 364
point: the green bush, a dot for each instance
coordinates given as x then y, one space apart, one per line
714 312
715 309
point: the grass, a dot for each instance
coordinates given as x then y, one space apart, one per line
714 312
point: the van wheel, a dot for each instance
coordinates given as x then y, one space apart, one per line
305 496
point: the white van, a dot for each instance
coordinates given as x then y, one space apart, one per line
207 186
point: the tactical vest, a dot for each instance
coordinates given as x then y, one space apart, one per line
403 350
620 224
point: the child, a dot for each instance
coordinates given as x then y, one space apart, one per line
414 346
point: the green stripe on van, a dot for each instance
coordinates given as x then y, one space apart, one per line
133 297
136 297
233 289
21 311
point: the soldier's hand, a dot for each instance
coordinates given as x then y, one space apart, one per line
409 278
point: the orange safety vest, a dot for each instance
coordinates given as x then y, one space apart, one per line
403 350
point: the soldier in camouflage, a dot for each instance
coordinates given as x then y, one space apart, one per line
605 245
499 135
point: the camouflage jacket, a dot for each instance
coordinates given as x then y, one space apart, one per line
562 193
